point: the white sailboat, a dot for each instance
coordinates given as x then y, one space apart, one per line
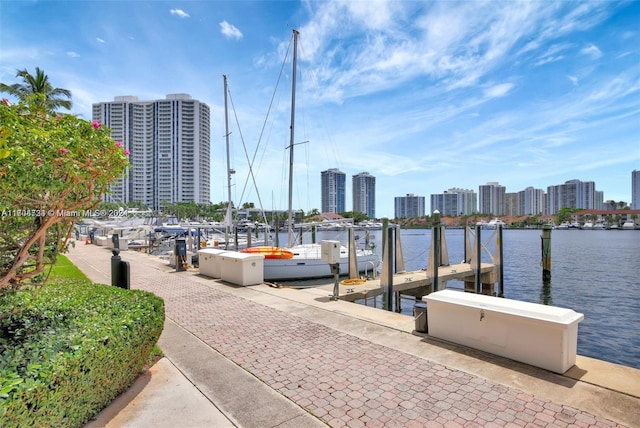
304 261
228 238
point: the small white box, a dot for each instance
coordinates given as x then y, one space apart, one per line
242 268
330 251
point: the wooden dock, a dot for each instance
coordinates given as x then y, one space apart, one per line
407 281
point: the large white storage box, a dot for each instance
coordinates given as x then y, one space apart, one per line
209 261
242 268
539 335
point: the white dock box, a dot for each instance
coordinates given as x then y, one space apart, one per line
209 262
535 334
242 268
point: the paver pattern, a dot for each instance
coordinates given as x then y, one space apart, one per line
342 379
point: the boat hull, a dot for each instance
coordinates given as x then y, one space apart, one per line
307 263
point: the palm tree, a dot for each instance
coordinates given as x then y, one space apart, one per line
48 97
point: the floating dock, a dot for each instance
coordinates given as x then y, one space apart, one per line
407 281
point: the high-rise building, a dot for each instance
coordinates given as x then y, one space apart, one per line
364 194
409 206
333 191
512 204
446 203
491 199
635 190
169 144
467 200
454 202
531 201
573 194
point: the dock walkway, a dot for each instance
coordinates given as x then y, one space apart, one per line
277 357
405 281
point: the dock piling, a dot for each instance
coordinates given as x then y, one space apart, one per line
546 252
500 262
478 259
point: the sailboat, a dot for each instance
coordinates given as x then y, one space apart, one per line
304 261
228 238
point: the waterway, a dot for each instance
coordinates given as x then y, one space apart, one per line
596 273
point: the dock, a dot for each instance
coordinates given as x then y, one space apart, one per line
261 356
478 276
407 281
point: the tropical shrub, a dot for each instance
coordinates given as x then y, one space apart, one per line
69 348
53 169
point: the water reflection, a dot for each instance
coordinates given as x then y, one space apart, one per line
545 292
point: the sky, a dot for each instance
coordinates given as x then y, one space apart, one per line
424 95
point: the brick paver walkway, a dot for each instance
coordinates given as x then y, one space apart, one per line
340 378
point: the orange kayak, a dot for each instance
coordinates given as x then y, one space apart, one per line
269 252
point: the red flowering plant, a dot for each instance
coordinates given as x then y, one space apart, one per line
53 168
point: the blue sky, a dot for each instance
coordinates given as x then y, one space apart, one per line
425 96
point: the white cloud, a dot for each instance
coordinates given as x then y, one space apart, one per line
549 60
574 80
73 54
99 40
230 31
179 12
592 51
497 91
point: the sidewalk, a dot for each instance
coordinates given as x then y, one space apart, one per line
264 357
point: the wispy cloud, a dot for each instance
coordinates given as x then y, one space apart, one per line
230 31
498 90
454 45
591 50
99 40
180 13
73 54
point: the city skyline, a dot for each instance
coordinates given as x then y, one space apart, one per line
423 95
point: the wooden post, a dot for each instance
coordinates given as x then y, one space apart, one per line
436 248
479 260
390 263
546 252
436 256
501 263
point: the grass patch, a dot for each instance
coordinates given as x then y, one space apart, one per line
64 269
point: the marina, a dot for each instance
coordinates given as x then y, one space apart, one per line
595 273
336 358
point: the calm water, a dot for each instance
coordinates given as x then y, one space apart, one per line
596 273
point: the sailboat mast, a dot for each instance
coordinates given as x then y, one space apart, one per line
291 139
229 170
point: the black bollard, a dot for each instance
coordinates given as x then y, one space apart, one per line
116 260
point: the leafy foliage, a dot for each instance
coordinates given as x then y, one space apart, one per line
69 349
51 99
52 169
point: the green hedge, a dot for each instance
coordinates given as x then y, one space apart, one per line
69 348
